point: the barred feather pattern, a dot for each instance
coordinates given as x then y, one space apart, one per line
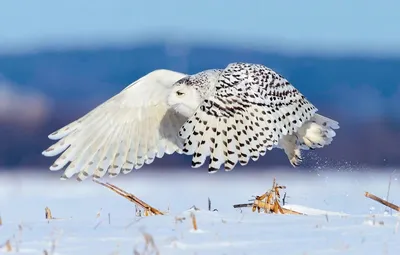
251 109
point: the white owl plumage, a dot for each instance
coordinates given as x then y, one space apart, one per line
229 115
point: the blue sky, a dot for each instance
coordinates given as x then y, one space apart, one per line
333 25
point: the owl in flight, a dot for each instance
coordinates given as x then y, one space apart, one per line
229 115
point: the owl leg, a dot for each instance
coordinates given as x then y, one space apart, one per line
313 134
317 132
289 144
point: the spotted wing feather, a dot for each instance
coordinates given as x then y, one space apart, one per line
127 131
251 109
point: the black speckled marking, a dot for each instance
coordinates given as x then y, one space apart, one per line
261 103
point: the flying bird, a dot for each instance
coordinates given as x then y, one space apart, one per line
228 115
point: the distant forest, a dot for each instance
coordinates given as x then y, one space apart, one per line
362 93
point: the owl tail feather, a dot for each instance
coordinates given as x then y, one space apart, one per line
315 133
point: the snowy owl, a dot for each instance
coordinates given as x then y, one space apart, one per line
229 115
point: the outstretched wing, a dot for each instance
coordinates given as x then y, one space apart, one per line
251 109
125 132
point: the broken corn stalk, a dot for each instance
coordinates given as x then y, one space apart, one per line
148 210
269 202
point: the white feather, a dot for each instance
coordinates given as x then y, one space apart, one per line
125 132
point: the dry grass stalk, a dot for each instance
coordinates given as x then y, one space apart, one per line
380 200
18 239
1 221
8 246
133 223
149 210
52 248
194 221
138 212
194 207
375 222
54 240
97 225
288 211
179 219
48 213
389 184
150 246
49 216
373 219
99 213
269 202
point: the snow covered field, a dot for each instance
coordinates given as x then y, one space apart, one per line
339 221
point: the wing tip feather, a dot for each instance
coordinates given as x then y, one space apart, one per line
64 177
55 136
50 152
55 167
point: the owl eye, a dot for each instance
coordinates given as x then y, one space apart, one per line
178 93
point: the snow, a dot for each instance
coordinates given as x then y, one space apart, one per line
339 220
